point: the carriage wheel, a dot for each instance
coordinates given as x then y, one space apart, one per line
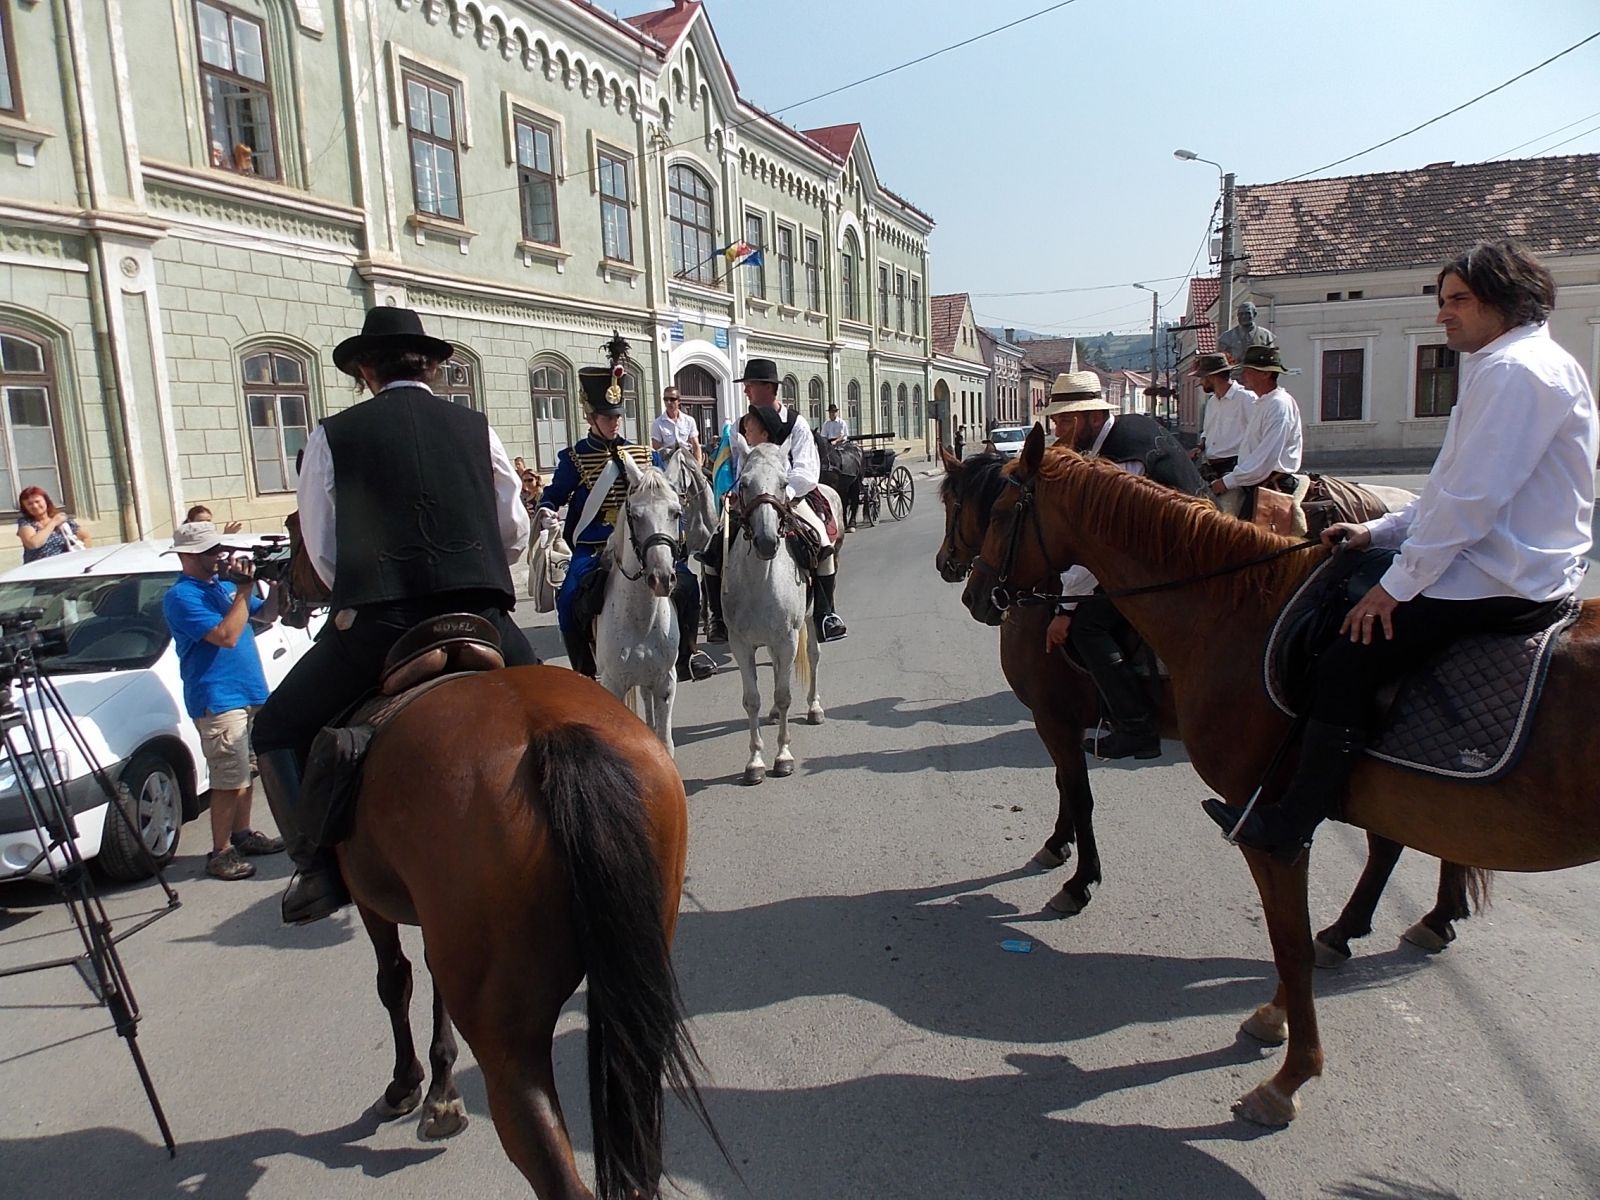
872 502
901 493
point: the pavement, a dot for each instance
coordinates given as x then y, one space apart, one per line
864 1030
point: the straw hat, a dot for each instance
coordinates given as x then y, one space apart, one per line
1075 392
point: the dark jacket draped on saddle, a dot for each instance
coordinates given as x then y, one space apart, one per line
416 513
1135 437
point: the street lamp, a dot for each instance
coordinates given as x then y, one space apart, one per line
1225 296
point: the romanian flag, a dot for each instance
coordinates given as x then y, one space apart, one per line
743 254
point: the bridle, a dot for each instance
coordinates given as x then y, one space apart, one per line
739 512
1002 596
674 545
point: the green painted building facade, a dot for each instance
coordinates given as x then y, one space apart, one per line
199 198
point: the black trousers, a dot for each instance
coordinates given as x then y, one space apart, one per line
343 666
1349 674
1096 630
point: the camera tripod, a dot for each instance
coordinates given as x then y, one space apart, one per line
45 798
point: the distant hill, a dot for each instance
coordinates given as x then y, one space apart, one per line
1108 351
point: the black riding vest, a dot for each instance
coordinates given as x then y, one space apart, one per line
1135 437
415 511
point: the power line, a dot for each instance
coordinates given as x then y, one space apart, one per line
1434 120
1098 287
1573 138
1542 136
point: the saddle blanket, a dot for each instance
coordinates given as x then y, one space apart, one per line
1466 715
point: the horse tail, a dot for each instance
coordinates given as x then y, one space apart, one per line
1479 886
637 1037
802 654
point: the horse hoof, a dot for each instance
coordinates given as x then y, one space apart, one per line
783 768
814 717
1423 938
387 1110
1065 904
753 775
1330 957
443 1119
1267 1106
1268 1025
1047 859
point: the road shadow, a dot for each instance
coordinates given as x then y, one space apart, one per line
1013 748
897 712
261 924
116 1162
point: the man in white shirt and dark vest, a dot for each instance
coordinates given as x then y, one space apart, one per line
1227 416
1085 616
1498 536
1269 454
833 429
674 427
409 508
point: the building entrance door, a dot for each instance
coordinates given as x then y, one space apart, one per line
697 393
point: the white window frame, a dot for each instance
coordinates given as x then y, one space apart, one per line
1366 341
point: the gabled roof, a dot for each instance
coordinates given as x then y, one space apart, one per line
837 140
1052 355
1203 293
666 25
945 321
1421 218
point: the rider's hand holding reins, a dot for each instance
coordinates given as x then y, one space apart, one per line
1055 633
1374 609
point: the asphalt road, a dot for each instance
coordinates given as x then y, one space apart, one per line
865 1033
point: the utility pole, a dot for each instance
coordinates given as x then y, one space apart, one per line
1225 297
1155 326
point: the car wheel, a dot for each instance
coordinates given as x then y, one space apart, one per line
151 794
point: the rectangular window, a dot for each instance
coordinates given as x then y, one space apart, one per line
1341 384
813 274
234 86
916 307
536 181
785 265
900 301
616 222
10 89
1438 370
883 296
431 123
755 232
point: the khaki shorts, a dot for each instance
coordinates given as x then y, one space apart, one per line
225 739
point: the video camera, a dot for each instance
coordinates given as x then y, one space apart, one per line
272 558
21 640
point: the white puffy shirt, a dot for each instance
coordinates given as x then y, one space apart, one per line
805 467
1227 418
672 433
1508 506
1272 441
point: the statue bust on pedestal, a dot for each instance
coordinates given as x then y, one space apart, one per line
1245 334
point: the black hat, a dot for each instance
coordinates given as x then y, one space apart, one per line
1264 358
778 429
832 407
1211 364
759 370
389 329
596 383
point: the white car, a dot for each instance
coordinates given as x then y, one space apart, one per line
118 678
1008 439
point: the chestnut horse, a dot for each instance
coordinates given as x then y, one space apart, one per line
1543 816
536 830
1062 700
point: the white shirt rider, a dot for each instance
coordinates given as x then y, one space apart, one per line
1226 420
1272 442
834 429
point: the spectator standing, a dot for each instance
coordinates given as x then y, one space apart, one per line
223 683
674 427
44 529
201 513
961 440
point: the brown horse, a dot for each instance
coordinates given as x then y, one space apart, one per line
1132 534
1062 701
535 830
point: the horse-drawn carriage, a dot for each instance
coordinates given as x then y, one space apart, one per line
867 477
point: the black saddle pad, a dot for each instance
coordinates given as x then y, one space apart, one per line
1465 715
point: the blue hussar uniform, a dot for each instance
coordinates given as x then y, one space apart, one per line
577 471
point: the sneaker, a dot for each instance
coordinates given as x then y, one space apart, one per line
252 842
833 629
227 864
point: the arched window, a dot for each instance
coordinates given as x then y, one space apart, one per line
886 415
853 406
904 413
549 384
814 413
691 226
634 422
789 391
850 276
918 424
277 399
459 380
31 455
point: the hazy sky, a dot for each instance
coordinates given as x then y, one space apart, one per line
1045 153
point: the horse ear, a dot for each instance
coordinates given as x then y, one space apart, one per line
952 464
1032 453
630 469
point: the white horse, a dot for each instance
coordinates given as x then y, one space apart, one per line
765 603
695 494
636 636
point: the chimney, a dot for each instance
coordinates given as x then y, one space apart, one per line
1011 336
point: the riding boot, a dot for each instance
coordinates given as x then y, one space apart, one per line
1134 733
316 890
692 664
829 627
713 593
580 652
1328 754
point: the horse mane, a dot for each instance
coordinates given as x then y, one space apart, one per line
1185 534
978 481
653 483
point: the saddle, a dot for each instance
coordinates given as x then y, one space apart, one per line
1305 505
1464 715
819 504
429 654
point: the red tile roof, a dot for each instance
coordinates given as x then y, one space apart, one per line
1399 219
667 24
946 320
1203 293
836 139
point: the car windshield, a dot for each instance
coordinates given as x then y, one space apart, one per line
110 622
1007 436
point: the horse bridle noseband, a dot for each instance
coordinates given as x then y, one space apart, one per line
674 545
740 513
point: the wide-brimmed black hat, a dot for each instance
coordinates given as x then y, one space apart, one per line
598 397
389 329
759 370
1212 364
1264 358
778 429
